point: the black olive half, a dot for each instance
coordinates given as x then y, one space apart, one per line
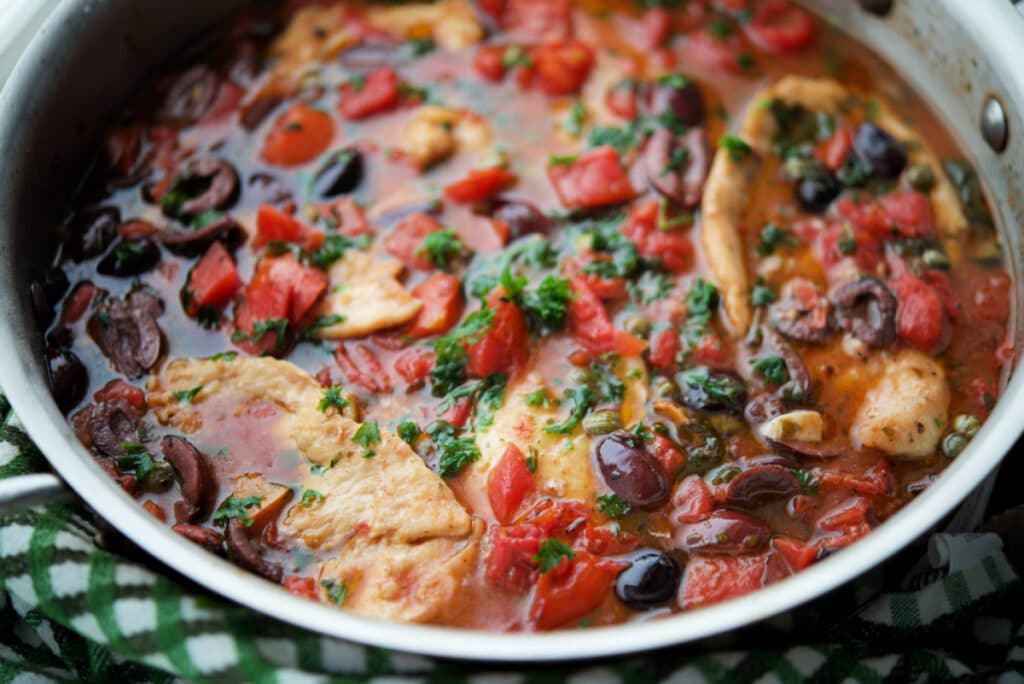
886 156
340 174
651 581
815 193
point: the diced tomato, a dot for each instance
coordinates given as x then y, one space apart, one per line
591 327
299 136
378 92
345 215
561 68
691 501
877 481
672 247
990 301
832 151
281 288
594 179
212 282
505 347
904 213
539 19
118 390
671 457
606 288
919 317
837 248
458 412
494 8
78 303
273 225
572 589
716 54
301 586
710 579
983 394
153 508
940 281
711 351
510 563
780 27
621 99
480 184
664 347
229 95
405 240
508 483
796 554
441 296
603 541
365 370
489 62
850 513
137 229
414 364
657 24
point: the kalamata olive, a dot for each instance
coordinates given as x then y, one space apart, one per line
707 390
801 313
760 482
886 156
521 218
191 95
54 284
814 194
195 478
631 471
108 426
159 478
203 185
681 96
866 308
68 377
763 408
340 173
90 232
798 388
257 111
268 189
195 242
130 258
210 540
244 554
677 166
724 531
127 333
650 581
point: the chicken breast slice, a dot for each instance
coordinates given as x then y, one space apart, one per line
366 293
905 413
384 519
451 23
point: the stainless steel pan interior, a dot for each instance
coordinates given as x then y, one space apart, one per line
91 53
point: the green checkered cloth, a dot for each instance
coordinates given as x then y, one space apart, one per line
72 610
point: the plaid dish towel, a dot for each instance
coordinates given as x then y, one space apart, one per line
72 609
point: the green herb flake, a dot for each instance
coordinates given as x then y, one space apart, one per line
772 237
579 400
408 431
310 497
236 507
735 146
771 368
575 118
455 451
187 396
332 397
612 506
551 553
441 247
367 436
336 591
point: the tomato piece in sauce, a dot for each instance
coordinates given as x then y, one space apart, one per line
375 93
489 62
672 247
572 589
691 501
281 289
594 179
663 348
657 27
833 150
504 348
364 370
710 579
591 327
561 68
301 586
622 99
441 295
726 53
609 288
347 216
919 316
539 19
510 563
212 282
405 240
480 184
273 225
508 483
298 136
413 365
780 27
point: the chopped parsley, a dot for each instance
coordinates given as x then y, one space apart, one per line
236 507
735 146
441 247
336 591
562 159
515 56
575 118
224 356
334 247
612 506
367 436
486 396
332 397
531 460
455 452
579 400
701 303
277 326
772 237
762 295
544 307
847 243
622 138
310 497
408 431
720 389
649 287
187 396
771 368
136 458
450 358
421 46
551 553
538 398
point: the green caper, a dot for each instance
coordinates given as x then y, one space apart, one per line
936 259
797 167
988 253
663 388
582 376
159 478
921 177
602 422
953 444
966 425
638 325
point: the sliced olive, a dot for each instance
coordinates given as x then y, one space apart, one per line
680 96
521 218
91 232
130 258
815 193
203 185
724 531
866 308
886 156
761 482
340 174
650 581
68 377
707 390
631 471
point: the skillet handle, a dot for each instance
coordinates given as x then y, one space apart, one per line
23 491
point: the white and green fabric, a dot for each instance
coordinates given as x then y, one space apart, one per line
72 609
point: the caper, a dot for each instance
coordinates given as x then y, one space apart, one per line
966 425
638 325
663 388
797 167
582 376
988 253
953 444
921 177
936 259
159 478
602 422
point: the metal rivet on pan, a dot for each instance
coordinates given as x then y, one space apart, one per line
994 127
879 7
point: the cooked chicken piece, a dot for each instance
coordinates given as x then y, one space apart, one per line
315 34
905 412
799 426
451 23
436 133
381 505
366 292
